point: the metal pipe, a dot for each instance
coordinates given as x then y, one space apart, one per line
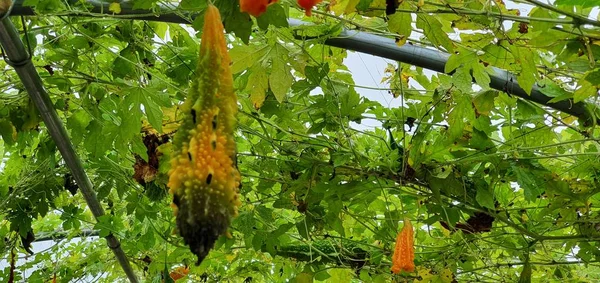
20 60
436 61
356 41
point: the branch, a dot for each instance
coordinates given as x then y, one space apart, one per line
59 235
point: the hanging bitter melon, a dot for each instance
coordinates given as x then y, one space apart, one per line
203 178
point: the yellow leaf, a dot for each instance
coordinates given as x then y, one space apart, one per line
304 278
401 40
446 232
446 275
258 86
424 275
404 77
570 120
115 7
343 6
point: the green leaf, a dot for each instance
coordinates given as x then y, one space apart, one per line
44 6
498 56
139 148
462 79
541 13
363 5
258 84
238 22
528 181
303 278
341 275
275 15
484 102
115 7
485 198
583 3
104 225
280 79
124 64
245 56
456 119
344 6
8 132
194 5
432 28
462 56
151 99
340 159
526 60
303 229
144 4
322 275
551 89
401 23
481 76
593 77
585 91
315 74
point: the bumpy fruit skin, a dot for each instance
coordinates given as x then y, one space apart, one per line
255 7
307 5
203 178
404 252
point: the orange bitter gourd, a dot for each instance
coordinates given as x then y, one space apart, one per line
307 5
255 7
203 178
404 252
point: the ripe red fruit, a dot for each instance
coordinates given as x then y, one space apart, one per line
307 5
255 7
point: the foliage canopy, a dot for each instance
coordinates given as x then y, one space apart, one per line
497 188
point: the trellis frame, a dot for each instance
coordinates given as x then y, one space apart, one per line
363 42
380 46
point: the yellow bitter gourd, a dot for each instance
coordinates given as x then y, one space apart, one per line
203 178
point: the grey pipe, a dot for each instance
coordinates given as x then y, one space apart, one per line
19 59
436 61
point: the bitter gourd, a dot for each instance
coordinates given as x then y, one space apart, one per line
255 7
325 251
308 5
203 178
403 258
